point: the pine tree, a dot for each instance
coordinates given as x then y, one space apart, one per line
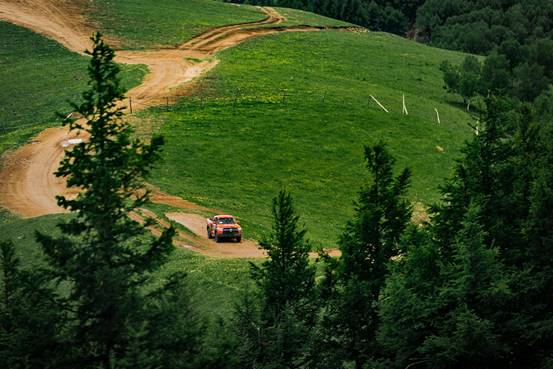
368 243
488 176
286 277
534 265
30 319
490 242
277 323
442 312
103 256
468 309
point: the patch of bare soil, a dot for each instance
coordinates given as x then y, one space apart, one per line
60 20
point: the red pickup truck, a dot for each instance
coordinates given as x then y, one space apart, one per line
222 227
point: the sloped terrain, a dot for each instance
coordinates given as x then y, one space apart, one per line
290 110
28 186
294 111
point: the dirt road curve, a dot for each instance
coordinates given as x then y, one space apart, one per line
60 20
27 184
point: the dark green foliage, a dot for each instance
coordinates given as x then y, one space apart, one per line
30 318
381 215
517 35
286 277
169 333
529 81
273 326
499 76
465 80
436 312
496 78
471 297
536 276
479 26
474 287
105 257
368 243
544 106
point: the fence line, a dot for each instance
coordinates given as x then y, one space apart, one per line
284 96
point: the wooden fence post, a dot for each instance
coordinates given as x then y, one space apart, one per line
379 104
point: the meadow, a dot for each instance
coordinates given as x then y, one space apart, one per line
143 24
293 111
40 77
295 17
283 111
43 76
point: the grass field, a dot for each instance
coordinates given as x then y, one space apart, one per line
283 111
38 77
292 111
145 24
217 283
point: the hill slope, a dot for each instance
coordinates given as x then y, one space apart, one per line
143 24
39 77
311 142
294 111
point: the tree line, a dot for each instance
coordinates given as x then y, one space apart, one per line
470 288
379 15
516 36
475 26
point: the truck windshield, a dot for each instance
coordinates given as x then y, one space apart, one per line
226 221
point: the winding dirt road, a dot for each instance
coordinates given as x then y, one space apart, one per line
27 184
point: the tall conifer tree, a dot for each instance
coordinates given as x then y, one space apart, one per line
275 328
368 243
103 255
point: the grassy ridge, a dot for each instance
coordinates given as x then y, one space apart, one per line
145 24
39 76
295 17
248 138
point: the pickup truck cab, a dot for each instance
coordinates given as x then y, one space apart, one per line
222 227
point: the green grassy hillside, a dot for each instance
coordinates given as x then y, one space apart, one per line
291 110
295 17
38 77
288 110
144 24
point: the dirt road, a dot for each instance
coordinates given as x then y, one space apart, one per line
27 184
